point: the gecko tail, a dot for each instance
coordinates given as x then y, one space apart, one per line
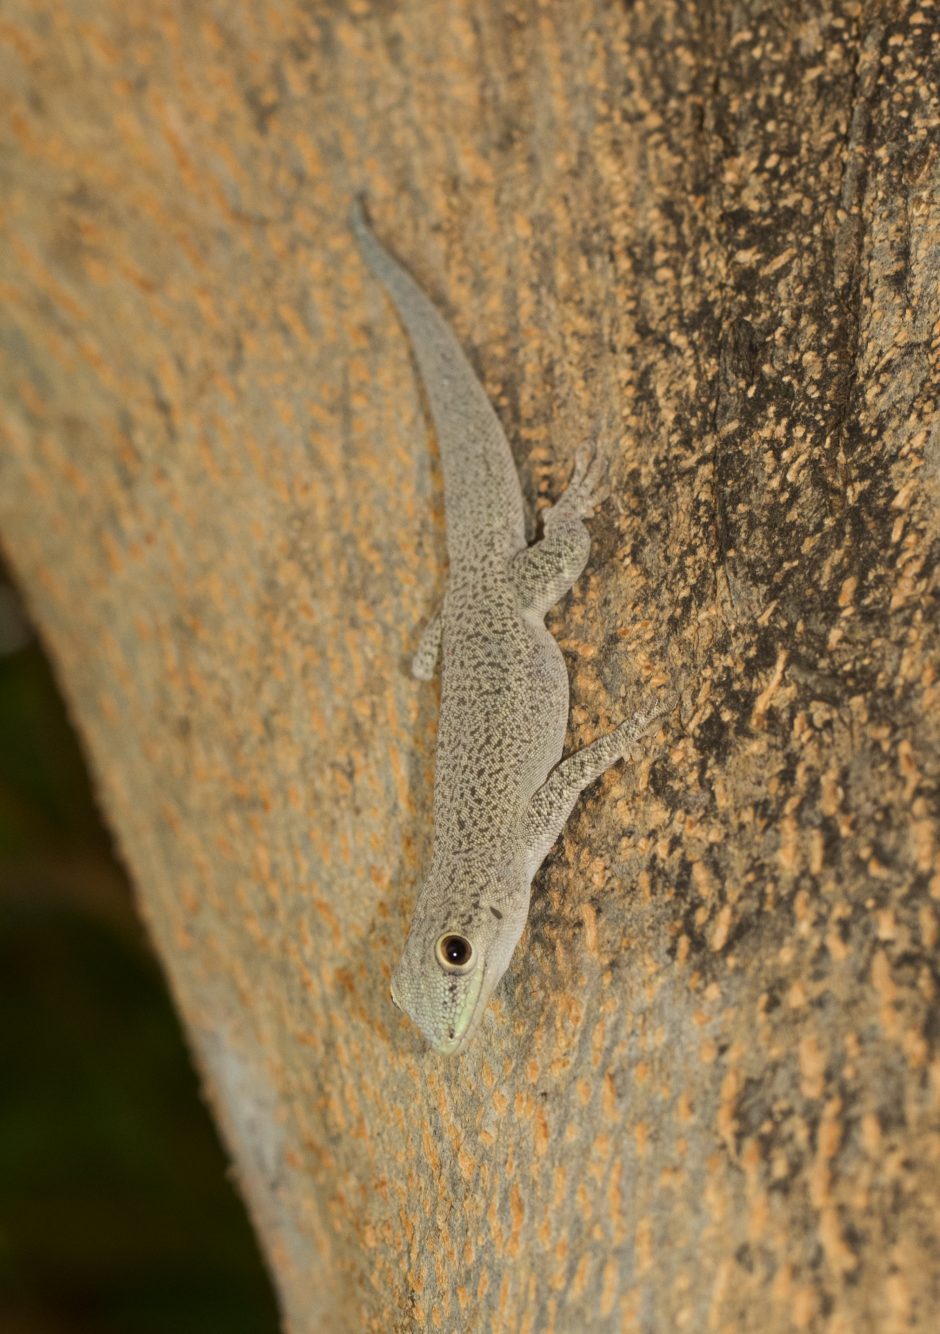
358 218
475 454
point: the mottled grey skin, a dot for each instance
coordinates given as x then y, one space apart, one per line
501 797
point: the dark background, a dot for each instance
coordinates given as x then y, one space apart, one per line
116 1212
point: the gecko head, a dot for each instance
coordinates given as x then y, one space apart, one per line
454 958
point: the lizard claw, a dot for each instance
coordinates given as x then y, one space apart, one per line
632 729
588 487
584 457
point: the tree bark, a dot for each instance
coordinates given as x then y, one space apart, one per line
704 235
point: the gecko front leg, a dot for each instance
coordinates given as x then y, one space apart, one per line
554 801
428 650
543 573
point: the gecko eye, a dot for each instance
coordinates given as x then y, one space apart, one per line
454 953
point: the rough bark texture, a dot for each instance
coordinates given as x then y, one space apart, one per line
708 1097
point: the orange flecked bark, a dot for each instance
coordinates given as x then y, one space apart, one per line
708 1097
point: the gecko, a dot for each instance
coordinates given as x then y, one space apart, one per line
502 792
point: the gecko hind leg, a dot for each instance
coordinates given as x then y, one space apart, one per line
543 573
554 801
428 650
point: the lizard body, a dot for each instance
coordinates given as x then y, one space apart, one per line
501 792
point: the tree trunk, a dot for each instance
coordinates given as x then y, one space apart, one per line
707 1096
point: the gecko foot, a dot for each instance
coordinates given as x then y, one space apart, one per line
588 487
629 732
